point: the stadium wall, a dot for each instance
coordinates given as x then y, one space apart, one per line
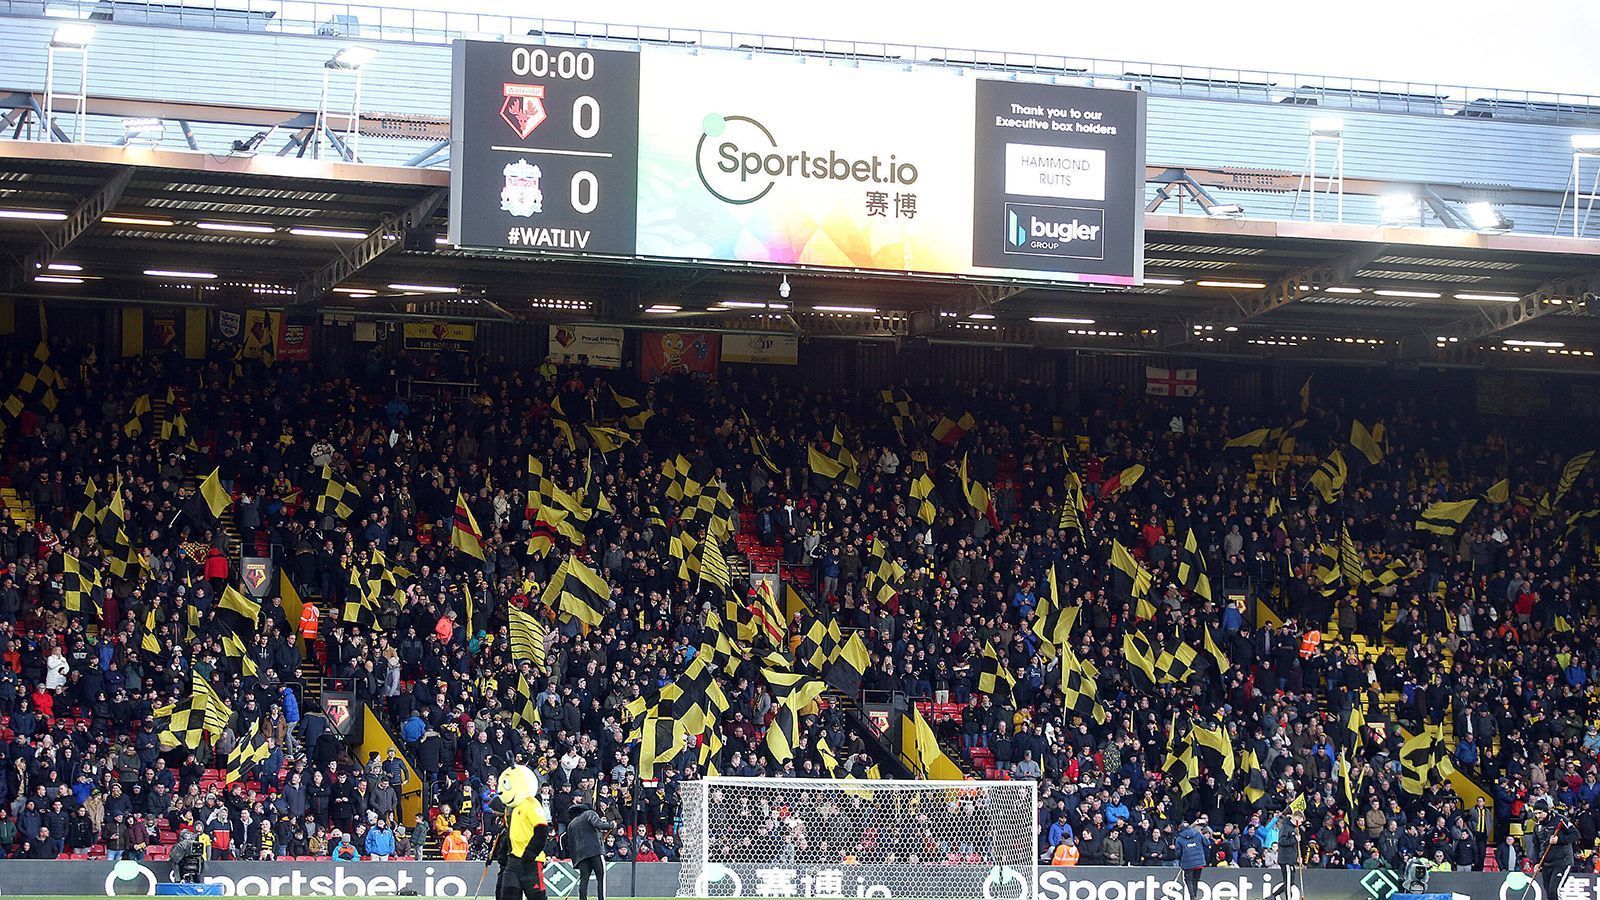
363 879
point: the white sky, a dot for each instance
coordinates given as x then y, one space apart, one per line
1544 45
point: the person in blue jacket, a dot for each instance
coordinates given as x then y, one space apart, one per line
380 841
1192 845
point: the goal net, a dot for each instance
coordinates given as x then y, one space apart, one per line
790 837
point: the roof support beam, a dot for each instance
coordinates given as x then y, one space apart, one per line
1282 292
375 244
81 219
1553 296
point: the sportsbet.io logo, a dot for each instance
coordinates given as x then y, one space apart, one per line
1074 232
739 161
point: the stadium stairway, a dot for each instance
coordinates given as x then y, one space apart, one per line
1389 701
888 758
18 508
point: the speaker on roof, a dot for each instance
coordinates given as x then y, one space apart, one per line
420 240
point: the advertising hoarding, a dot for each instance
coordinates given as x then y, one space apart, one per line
795 161
767 349
595 345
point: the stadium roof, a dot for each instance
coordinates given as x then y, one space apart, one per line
1214 286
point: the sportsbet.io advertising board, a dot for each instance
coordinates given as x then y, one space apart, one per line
717 156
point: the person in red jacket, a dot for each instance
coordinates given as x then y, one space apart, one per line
216 570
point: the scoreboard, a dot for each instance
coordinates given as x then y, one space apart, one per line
553 157
712 156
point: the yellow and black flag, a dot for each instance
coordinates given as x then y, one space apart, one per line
337 498
714 564
1212 745
1192 567
1499 492
1080 687
1132 580
1424 759
1053 621
607 439
1140 655
976 493
1369 443
1255 438
884 575
136 415
1330 476
993 672
578 592
681 482
80 587
148 642
1173 667
849 666
922 498
464 532
839 467
251 751
1446 516
819 645
1212 649
238 613
1073 505
758 447
524 710
527 637
897 404
217 498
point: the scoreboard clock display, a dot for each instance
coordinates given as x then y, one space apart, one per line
544 148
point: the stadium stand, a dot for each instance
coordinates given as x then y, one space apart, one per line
1376 610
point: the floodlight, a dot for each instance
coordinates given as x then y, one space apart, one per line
351 58
1327 126
1397 209
1485 217
75 36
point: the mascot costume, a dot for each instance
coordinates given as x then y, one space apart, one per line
520 849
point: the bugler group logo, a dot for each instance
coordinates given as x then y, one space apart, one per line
523 108
521 195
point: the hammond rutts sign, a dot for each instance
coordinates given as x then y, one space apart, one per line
713 156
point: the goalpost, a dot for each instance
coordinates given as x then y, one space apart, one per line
800 837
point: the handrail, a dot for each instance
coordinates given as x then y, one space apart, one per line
389 22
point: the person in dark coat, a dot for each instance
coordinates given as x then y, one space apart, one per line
1192 844
1553 838
586 847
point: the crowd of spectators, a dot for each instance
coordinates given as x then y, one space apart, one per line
1497 622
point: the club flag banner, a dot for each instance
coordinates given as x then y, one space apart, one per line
1162 382
678 353
455 337
163 331
293 339
591 344
761 158
762 349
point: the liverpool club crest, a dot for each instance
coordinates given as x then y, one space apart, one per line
521 195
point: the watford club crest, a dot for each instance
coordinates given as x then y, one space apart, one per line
521 195
523 108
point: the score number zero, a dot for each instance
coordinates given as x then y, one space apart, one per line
568 64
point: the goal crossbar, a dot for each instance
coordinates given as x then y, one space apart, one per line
863 838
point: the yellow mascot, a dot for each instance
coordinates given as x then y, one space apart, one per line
520 849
